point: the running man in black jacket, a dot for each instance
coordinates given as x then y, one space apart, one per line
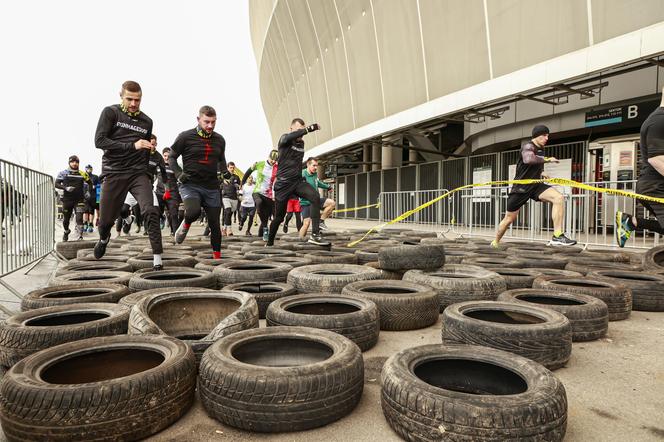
123 133
290 183
172 197
203 161
76 187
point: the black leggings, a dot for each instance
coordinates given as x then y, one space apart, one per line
244 212
264 207
175 215
77 208
300 189
298 219
192 210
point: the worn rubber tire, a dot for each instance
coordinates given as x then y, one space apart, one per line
588 315
110 251
264 292
317 310
617 297
92 265
106 258
267 252
92 277
586 264
275 397
147 279
146 261
456 256
28 332
647 288
548 342
518 278
436 405
73 294
493 261
299 247
130 406
190 316
611 255
555 272
246 271
69 249
534 260
423 257
226 256
402 305
329 278
325 257
133 298
293 261
460 282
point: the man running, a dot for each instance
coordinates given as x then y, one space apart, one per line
203 159
247 205
531 166
262 195
123 133
651 179
310 174
91 203
171 197
76 186
290 182
157 170
293 208
229 196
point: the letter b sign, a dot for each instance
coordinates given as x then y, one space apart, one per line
632 111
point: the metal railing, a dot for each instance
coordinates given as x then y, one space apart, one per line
588 218
27 216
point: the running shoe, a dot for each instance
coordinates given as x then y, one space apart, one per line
162 223
80 238
90 229
248 233
495 244
181 233
562 240
65 236
206 232
100 249
158 267
285 228
623 228
126 225
240 227
138 228
266 235
322 226
316 238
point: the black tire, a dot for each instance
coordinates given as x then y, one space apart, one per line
606 255
109 251
647 288
329 278
246 271
555 272
28 332
146 261
471 393
299 247
459 282
325 257
92 277
417 234
588 316
355 318
196 318
73 294
530 250
518 278
456 256
293 261
369 254
541 260
68 249
133 298
177 249
264 292
116 388
147 279
423 257
255 255
402 305
106 258
540 334
617 297
207 259
496 261
280 379
585 264
92 265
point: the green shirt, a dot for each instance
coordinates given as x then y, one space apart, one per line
312 179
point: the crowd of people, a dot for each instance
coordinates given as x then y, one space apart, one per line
143 188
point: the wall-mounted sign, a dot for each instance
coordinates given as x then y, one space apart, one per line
629 115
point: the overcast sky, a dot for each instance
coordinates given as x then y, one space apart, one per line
63 61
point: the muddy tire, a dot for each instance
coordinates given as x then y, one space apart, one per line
647 288
555 272
264 292
147 279
116 388
246 271
92 277
456 392
588 316
540 334
169 260
69 249
133 298
518 278
29 332
280 379
423 257
73 294
355 318
617 297
402 305
459 282
329 278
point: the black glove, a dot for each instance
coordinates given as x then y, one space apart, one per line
183 178
87 196
313 127
223 176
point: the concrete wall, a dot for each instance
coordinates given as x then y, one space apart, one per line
348 63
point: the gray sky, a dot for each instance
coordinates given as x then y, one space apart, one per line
63 61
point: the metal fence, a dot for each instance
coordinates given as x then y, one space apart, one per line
27 209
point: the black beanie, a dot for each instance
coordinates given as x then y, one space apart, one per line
540 129
72 158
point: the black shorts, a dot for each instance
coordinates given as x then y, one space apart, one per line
90 207
516 200
652 188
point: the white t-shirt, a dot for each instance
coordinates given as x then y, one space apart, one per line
247 196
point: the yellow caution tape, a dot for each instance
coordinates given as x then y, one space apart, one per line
559 181
352 209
